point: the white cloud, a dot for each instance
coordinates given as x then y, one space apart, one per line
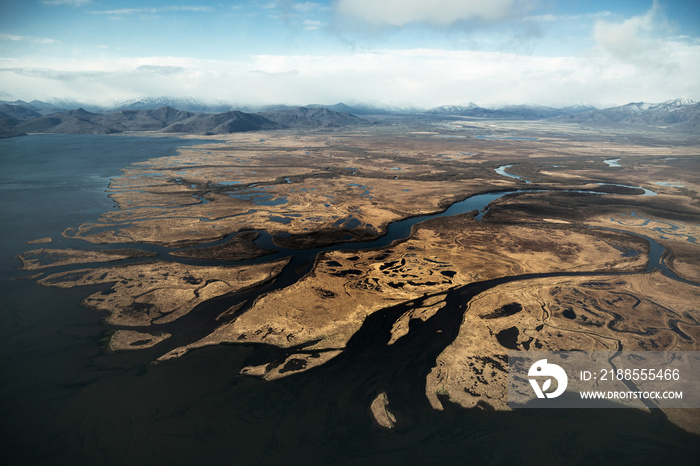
426 77
432 12
296 15
638 39
35 40
542 18
548 18
150 10
125 11
287 5
66 2
311 24
307 6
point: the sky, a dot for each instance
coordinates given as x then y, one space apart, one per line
423 53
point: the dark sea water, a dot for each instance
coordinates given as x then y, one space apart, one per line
51 182
64 401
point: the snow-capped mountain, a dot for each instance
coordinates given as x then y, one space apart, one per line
379 108
682 113
673 105
187 103
452 109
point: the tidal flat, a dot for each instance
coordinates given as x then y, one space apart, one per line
384 265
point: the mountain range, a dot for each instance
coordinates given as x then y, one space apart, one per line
19 117
16 120
192 104
512 112
681 114
312 117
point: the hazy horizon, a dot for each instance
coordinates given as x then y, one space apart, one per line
420 53
193 101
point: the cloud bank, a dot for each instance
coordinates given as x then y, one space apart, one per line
607 60
424 77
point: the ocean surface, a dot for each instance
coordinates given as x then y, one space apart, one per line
63 400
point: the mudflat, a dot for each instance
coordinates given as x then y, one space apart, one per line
574 239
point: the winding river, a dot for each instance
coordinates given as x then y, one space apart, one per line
66 400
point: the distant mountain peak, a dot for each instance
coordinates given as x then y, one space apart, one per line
675 104
80 111
312 117
187 103
680 101
681 113
64 102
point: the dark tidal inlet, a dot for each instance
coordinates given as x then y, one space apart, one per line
63 400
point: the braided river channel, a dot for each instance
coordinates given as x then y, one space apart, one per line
65 401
